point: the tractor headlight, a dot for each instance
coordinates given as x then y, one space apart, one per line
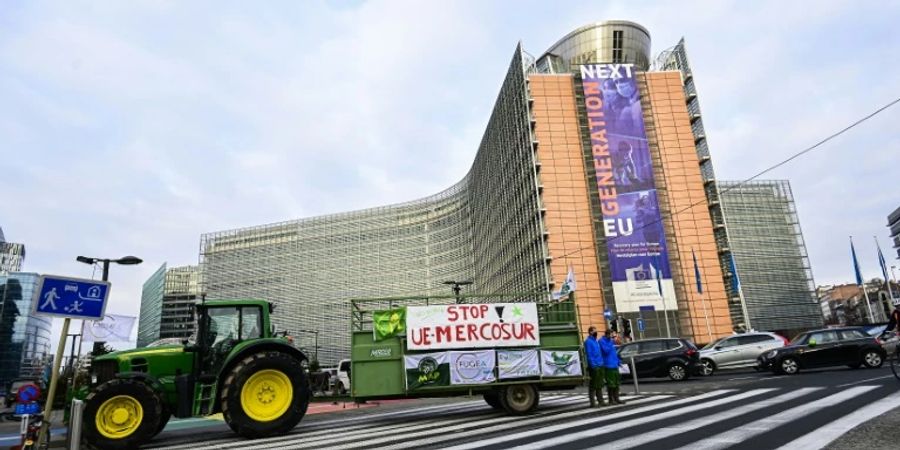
93 378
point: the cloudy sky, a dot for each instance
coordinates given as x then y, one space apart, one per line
130 128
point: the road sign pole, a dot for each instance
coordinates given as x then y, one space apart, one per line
54 379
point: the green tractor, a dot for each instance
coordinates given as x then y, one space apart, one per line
237 366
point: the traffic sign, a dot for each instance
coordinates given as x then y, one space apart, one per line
607 313
73 298
641 325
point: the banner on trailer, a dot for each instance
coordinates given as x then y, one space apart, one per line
557 363
474 367
632 224
429 369
472 326
518 364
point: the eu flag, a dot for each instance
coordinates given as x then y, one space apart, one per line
697 273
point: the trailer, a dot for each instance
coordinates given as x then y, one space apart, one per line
505 347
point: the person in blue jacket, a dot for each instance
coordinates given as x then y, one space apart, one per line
595 367
611 368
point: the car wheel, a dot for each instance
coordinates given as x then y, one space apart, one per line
872 359
707 367
789 366
678 372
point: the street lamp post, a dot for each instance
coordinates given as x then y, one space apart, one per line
456 287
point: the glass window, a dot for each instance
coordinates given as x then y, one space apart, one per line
824 337
754 339
730 342
223 325
673 344
848 335
251 323
652 346
628 350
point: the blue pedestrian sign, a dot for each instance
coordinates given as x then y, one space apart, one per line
641 325
607 313
74 298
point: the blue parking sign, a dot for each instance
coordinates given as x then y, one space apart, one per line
640 324
74 298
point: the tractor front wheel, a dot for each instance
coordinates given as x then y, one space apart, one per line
266 394
121 414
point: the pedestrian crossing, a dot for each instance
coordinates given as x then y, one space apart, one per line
787 418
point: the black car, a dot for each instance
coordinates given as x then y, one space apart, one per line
675 358
822 348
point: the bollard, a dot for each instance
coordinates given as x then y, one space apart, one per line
76 416
634 376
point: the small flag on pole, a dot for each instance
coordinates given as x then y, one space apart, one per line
697 273
735 279
882 262
859 278
568 287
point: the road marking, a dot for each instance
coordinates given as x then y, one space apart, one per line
447 433
323 433
825 435
866 381
662 433
747 431
591 421
618 426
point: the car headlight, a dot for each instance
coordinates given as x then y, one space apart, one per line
771 354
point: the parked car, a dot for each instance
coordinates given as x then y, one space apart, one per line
675 358
852 347
889 344
737 351
342 383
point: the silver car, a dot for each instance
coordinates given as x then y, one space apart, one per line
737 351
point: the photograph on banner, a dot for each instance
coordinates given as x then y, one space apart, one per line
518 364
472 326
560 363
472 367
429 369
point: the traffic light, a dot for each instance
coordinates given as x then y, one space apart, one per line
626 328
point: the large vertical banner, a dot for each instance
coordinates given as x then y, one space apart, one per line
634 233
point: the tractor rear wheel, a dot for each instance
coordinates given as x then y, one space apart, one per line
265 394
163 420
121 414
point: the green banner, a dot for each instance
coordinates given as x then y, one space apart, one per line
390 323
432 369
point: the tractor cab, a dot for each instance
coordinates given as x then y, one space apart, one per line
234 364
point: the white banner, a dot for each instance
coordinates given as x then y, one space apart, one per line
475 367
113 328
518 364
632 294
472 326
556 363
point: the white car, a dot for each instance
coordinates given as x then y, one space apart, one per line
737 351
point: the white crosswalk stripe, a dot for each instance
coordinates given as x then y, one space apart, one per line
563 421
747 431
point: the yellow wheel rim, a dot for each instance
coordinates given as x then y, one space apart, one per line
267 395
119 417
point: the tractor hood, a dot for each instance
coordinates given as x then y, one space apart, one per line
141 352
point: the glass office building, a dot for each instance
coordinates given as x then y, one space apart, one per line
167 301
894 227
12 255
24 337
526 213
770 255
150 314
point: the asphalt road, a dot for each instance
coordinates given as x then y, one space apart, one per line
838 408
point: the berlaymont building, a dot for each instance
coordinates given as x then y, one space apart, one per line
594 160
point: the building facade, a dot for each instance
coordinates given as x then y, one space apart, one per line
167 301
845 304
594 159
894 226
12 255
24 337
766 242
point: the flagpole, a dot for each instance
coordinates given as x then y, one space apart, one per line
662 296
881 261
860 281
700 292
736 280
